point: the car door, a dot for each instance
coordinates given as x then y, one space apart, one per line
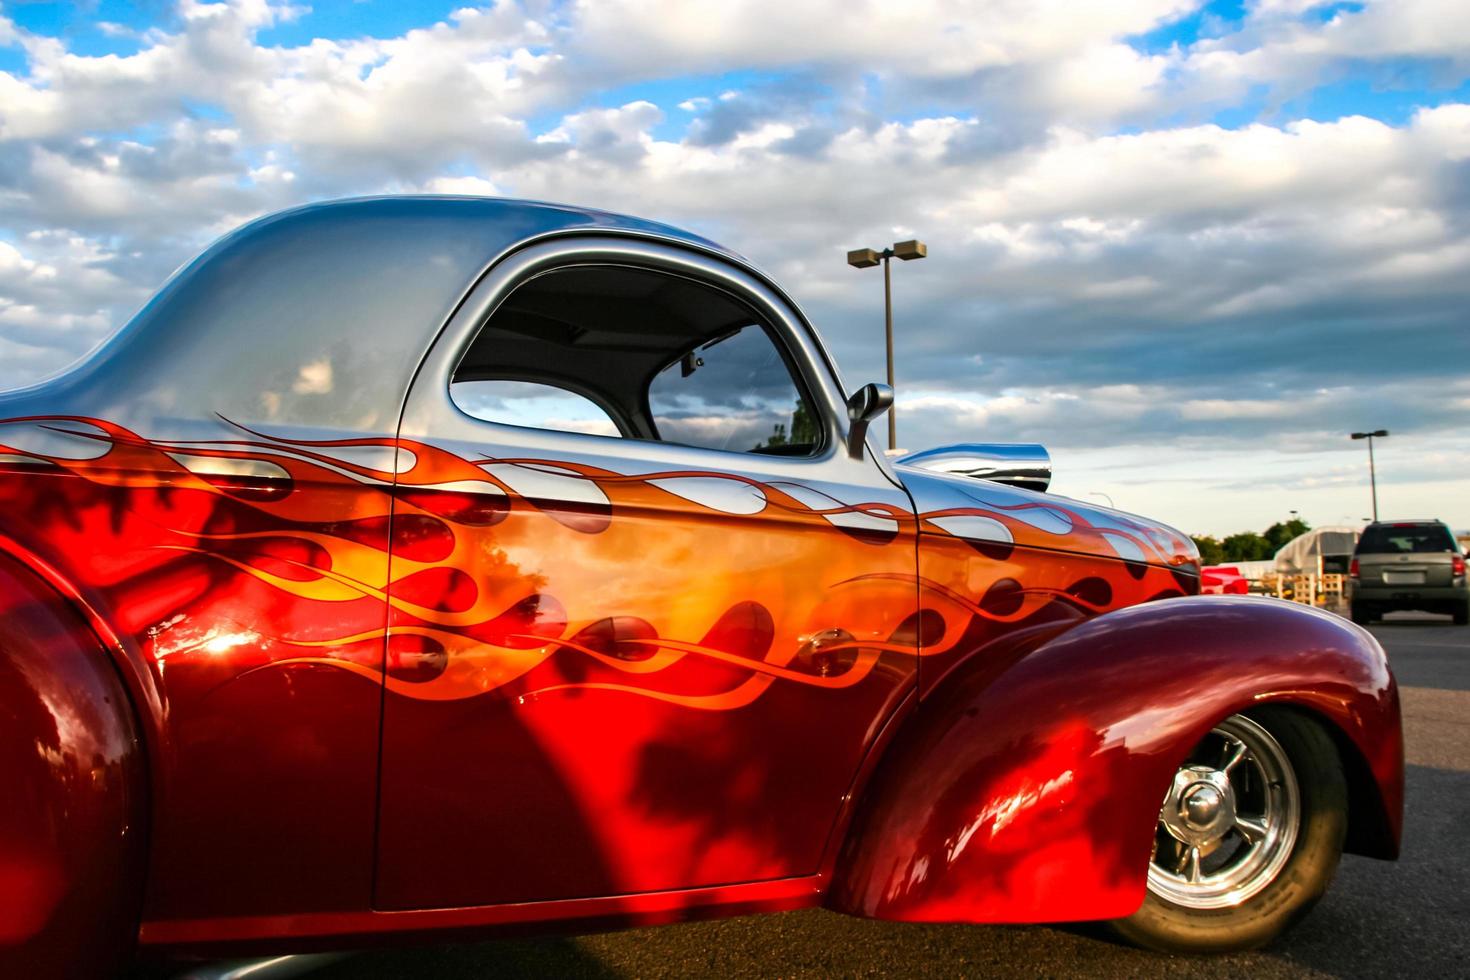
626 652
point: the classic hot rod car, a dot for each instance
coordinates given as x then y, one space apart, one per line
432 567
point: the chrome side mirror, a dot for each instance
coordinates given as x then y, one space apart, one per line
863 406
1020 465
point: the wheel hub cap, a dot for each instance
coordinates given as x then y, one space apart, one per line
1200 807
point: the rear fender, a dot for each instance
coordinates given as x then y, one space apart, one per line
1032 796
72 842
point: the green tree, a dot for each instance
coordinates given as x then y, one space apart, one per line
1210 552
1246 546
803 425
1278 534
776 438
803 430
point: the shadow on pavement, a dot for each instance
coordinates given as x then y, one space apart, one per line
1398 918
1379 919
507 958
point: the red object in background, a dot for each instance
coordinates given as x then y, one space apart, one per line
1222 580
285 685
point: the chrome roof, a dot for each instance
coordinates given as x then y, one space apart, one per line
314 317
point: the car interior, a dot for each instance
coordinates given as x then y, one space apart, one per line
658 356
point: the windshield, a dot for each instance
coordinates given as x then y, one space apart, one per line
1404 539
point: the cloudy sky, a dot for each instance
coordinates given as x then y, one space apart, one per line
1189 247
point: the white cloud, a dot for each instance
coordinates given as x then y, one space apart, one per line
1279 44
57 300
925 38
314 378
1106 265
1241 408
469 186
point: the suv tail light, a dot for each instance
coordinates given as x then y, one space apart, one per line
1457 566
1352 569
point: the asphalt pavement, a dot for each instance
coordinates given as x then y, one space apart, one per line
1380 919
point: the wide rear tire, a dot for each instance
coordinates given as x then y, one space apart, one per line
1237 862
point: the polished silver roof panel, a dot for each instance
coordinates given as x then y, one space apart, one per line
314 317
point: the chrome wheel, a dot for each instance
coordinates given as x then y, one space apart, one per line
1229 820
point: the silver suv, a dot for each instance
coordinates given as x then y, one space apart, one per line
1408 565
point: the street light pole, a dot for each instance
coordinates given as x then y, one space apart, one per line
866 258
1373 478
1372 467
888 342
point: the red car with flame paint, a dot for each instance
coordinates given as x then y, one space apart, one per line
422 568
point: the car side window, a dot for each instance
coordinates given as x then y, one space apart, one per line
535 406
613 350
733 393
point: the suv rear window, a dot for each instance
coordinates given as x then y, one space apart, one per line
1403 539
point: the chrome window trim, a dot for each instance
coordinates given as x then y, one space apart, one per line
431 415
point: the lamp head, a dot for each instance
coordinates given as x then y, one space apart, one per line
912 249
862 258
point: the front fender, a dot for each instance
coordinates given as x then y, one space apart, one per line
1032 796
73 778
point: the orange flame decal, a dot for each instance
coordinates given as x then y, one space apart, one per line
495 572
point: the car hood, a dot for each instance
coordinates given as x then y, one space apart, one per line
993 514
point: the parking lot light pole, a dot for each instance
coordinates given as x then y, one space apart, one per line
1372 471
866 258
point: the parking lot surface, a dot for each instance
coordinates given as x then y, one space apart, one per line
1380 919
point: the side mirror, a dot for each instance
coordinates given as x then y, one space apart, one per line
863 406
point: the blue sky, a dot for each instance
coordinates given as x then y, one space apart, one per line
1188 245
